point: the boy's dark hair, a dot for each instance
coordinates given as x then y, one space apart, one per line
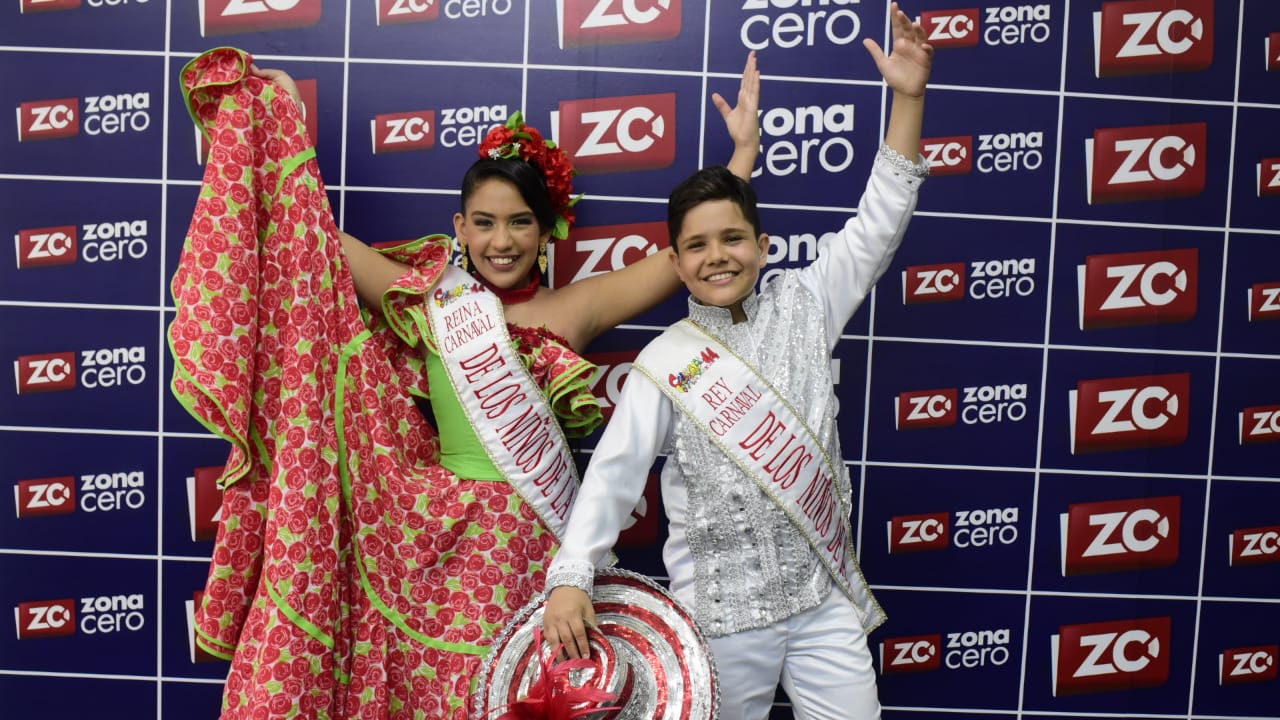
528 180
710 183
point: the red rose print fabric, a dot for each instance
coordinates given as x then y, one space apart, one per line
352 575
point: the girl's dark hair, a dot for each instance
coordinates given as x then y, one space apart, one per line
528 180
710 183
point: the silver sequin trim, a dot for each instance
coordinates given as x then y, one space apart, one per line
576 573
902 164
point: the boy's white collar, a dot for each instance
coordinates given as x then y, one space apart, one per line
713 316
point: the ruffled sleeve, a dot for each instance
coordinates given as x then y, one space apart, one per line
402 327
565 377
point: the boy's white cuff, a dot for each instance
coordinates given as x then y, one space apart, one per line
577 573
901 165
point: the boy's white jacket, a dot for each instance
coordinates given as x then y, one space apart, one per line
733 556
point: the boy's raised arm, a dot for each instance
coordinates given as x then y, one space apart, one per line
743 120
906 71
846 272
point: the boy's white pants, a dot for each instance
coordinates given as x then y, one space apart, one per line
820 656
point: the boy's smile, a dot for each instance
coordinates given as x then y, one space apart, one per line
719 257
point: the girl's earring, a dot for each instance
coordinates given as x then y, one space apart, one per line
466 262
542 257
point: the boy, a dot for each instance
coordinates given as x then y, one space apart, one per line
741 397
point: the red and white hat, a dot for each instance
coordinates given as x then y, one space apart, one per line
648 661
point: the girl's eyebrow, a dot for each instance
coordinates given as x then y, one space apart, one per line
483 213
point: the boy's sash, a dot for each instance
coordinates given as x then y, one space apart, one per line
506 408
755 427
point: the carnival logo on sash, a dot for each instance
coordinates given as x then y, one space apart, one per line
443 297
684 380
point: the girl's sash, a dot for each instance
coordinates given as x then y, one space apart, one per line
755 427
507 409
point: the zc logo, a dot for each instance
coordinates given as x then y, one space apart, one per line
1238 666
204 502
1130 412
1254 546
46 618
914 533
984 280
48 119
223 17
1117 655
918 653
1118 535
32 6
612 369
1134 37
916 409
45 496
401 132
99 492
103 368
1005 25
951 28
1149 162
605 135
1264 301
50 372
94 615
1260 424
613 22
396 12
1140 288
1269 177
40 247
943 282
951 155
592 251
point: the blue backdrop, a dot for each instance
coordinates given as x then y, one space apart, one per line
1060 407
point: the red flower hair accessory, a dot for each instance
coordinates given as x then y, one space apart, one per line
515 140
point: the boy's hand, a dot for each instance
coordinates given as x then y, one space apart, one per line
742 121
906 69
565 620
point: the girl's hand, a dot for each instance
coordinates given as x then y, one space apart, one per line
282 79
742 120
906 69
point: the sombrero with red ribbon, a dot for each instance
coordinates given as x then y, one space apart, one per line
648 661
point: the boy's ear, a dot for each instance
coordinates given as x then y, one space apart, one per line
763 244
674 257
